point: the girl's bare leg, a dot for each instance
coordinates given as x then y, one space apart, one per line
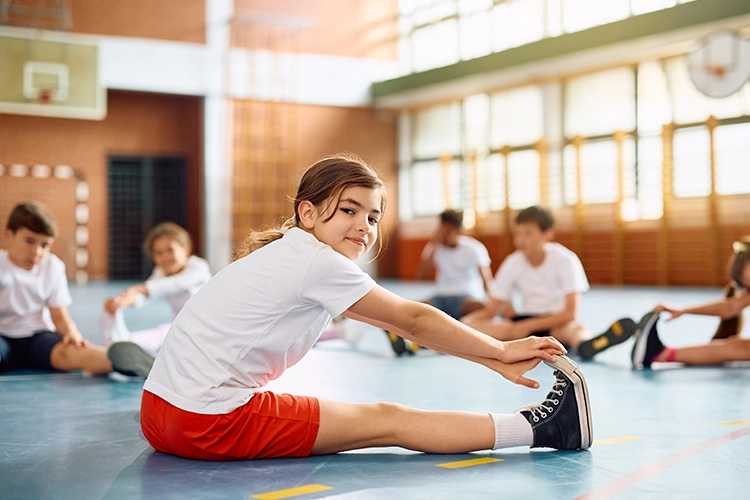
718 351
72 357
349 426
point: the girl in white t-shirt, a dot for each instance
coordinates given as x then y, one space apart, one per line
204 397
176 277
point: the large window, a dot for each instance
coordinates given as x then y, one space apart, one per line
523 179
593 139
600 103
517 117
649 202
578 15
436 184
732 154
436 33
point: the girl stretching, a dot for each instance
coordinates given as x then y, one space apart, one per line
177 275
727 345
204 398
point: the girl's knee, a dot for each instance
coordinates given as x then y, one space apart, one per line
389 410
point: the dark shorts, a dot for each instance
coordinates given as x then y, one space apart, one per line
28 352
538 333
449 304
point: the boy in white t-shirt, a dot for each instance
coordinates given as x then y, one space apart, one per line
36 331
462 268
550 280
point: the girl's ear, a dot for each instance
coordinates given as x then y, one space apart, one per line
307 214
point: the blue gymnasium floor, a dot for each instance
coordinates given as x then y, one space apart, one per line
668 433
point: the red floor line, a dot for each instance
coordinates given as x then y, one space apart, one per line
627 481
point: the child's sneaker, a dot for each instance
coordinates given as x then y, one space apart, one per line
399 345
130 359
620 331
647 344
563 420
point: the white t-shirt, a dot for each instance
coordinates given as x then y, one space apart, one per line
254 319
26 296
543 288
179 288
458 267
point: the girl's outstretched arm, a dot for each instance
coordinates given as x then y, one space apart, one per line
725 309
434 329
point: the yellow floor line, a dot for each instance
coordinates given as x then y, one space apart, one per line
292 492
469 463
736 422
621 439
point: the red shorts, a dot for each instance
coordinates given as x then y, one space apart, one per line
268 426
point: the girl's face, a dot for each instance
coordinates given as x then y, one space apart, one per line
353 229
169 255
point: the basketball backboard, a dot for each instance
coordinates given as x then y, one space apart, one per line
54 77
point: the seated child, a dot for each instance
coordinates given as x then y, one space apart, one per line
36 331
550 280
205 397
726 345
462 267
177 275
648 348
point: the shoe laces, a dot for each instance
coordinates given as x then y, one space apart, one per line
542 409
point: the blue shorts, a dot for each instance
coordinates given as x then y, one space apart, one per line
28 352
450 304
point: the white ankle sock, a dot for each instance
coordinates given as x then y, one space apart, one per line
512 430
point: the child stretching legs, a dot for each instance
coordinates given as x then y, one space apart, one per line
204 398
36 330
177 275
649 349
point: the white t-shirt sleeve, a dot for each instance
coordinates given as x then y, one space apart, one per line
501 287
195 275
59 293
483 255
334 282
571 274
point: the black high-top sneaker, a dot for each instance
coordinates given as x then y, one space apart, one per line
647 344
620 331
563 420
398 344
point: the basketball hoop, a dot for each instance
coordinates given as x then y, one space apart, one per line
45 96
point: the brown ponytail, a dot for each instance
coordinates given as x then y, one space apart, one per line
741 260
